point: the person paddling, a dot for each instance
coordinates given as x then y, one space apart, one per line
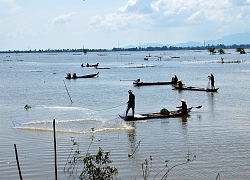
180 84
131 102
183 107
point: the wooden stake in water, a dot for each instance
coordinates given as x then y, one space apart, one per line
17 161
54 129
68 92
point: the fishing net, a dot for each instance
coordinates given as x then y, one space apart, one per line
164 111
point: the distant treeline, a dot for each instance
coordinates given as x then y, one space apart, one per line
163 48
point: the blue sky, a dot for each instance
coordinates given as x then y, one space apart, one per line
57 24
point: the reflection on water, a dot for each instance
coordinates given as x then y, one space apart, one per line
211 100
131 134
184 118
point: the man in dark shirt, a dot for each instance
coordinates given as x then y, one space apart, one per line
212 81
131 103
183 107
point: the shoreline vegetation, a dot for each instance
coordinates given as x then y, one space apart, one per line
150 48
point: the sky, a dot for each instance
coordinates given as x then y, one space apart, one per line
105 24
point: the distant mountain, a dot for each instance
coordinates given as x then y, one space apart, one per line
239 38
188 44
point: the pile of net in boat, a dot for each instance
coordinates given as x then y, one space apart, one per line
164 111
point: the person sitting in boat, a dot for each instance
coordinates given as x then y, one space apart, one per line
68 76
183 107
175 79
87 65
74 76
82 65
131 102
180 84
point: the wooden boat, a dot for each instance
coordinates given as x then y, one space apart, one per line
84 76
151 83
89 65
195 89
155 115
103 68
139 83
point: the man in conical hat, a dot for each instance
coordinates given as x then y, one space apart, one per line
131 102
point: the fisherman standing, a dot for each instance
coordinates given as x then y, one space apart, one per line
212 81
131 102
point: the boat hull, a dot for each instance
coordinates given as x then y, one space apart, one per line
195 89
148 116
85 76
151 83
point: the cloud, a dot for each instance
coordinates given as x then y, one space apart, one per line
115 21
63 18
137 6
130 3
7 7
172 13
240 2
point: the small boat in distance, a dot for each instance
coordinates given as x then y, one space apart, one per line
139 83
195 89
89 65
84 76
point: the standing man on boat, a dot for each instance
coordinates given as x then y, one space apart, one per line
131 102
211 80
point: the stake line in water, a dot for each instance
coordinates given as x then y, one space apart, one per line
67 92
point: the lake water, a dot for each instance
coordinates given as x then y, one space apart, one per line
217 134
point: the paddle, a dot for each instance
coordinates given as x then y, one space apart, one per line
127 80
198 107
137 80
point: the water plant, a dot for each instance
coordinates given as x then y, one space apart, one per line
97 166
147 167
27 106
93 166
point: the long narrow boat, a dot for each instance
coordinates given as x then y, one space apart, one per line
155 115
84 76
195 89
151 83
90 65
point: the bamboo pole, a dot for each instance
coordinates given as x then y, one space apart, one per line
17 161
68 92
54 128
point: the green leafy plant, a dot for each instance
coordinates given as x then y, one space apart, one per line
146 168
240 50
221 51
97 166
211 50
94 166
27 106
